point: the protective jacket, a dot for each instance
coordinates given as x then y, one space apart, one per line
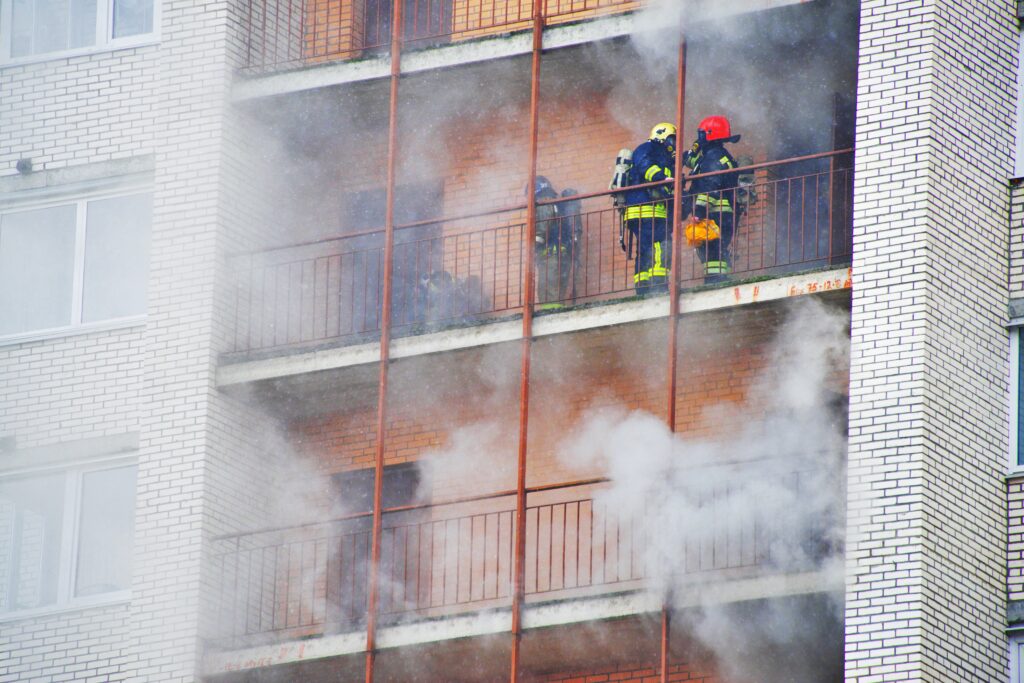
548 232
651 162
715 194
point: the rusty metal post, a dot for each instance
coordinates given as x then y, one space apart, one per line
529 233
385 343
673 315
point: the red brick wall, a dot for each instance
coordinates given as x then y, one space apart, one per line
336 29
633 674
720 356
465 405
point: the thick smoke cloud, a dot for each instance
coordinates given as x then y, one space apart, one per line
779 478
321 146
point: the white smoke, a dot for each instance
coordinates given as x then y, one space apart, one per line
768 496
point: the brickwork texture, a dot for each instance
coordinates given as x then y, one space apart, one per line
926 508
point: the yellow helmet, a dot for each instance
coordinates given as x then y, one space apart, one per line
665 133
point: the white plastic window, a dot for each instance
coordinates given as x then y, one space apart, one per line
66 536
31 28
1017 658
1016 455
74 264
1018 165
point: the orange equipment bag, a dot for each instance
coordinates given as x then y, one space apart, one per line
700 231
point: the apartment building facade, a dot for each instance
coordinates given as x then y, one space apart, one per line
289 392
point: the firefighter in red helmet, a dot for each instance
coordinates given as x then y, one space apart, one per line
713 197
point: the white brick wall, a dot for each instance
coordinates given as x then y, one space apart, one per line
70 113
926 560
78 110
55 392
1015 556
1017 242
77 387
83 645
200 465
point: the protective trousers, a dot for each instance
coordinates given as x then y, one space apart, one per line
554 269
714 254
653 254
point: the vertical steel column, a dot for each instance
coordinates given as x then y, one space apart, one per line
524 378
673 315
385 342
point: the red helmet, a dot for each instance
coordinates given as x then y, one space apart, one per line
715 128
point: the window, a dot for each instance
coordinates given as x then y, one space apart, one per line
42 27
1018 165
74 264
1016 404
353 491
1016 657
66 536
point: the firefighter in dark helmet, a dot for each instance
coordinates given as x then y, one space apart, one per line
648 213
552 248
712 200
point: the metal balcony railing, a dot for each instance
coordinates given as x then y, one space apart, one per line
466 269
450 558
284 34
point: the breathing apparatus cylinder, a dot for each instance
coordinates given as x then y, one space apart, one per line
620 176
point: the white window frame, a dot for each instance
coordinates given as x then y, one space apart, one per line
1016 652
67 570
80 197
105 41
1016 329
1018 159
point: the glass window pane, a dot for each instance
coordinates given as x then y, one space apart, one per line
41 26
116 257
37 253
132 17
106 531
82 23
22 17
31 516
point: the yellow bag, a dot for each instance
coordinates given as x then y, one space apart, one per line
700 231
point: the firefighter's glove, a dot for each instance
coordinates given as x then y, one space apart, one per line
691 155
539 239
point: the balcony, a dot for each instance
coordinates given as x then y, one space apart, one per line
468 270
456 558
287 34
294 597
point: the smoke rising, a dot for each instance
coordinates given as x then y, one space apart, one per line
769 495
466 128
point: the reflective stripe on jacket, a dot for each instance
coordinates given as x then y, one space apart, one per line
715 194
651 163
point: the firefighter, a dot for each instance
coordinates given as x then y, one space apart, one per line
648 211
714 197
570 214
551 251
